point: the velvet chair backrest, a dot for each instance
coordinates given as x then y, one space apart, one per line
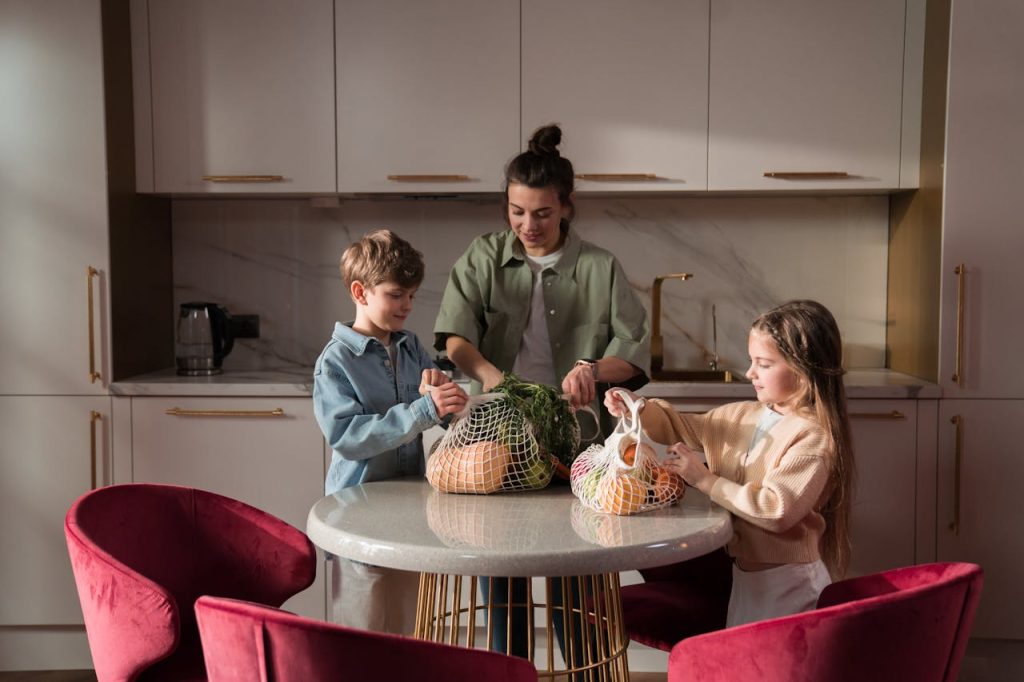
679 600
143 553
243 641
904 625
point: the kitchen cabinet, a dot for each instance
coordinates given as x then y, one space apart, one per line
980 470
980 313
883 518
54 279
628 83
801 86
427 94
55 448
241 96
267 452
54 263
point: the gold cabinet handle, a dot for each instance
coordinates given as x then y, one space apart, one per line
616 177
428 177
93 374
807 175
961 285
958 454
243 178
178 412
895 415
94 417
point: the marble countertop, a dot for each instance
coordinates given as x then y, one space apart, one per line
298 382
404 523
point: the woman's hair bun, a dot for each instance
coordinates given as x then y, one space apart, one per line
545 140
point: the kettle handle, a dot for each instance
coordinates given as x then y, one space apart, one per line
223 339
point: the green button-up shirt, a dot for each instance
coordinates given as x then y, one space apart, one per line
591 310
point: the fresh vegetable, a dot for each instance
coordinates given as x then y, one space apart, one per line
476 468
621 494
552 420
668 486
629 453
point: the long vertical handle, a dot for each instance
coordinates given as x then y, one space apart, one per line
961 284
94 417
93 374
958 454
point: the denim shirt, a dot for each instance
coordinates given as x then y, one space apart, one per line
373 431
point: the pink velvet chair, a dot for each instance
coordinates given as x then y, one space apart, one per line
678 601
243 641
904 625
143 553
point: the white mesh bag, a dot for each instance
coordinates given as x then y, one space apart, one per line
624 475
488 447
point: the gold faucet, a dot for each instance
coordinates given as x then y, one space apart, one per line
658 370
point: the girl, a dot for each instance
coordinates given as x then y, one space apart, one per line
783 466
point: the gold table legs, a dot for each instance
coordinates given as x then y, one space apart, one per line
587 609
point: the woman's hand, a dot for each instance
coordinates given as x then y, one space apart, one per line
580 385
689 464
614 402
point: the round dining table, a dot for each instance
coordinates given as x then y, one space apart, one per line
458 541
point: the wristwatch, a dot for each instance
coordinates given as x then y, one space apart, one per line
587 362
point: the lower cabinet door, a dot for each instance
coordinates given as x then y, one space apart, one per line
52 449
882 520
266 452
980 470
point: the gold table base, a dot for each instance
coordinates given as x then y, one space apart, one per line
597 654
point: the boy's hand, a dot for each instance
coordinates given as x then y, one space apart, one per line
448 398
614 402
432 377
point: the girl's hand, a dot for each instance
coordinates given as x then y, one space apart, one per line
614 402
448 398
580 385
432 377
689 464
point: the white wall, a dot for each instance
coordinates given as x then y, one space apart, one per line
278 258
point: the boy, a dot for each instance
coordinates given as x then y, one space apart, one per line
372 401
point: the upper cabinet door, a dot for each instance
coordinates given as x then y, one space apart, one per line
982 241
54 261
627 82
427 94
803 86
242 96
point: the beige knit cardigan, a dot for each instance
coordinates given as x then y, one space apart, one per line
774 491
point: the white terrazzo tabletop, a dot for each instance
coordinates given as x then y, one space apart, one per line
298 382
404 523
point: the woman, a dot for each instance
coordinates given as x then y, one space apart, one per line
538 301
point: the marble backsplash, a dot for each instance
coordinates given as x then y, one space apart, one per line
278 258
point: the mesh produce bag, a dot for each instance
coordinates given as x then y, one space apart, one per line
623 476
490 446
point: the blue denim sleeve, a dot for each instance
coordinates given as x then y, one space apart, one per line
351 431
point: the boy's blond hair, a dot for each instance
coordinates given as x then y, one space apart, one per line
382 256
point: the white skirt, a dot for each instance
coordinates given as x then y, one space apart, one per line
779 591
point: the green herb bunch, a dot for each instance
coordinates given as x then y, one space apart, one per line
554 424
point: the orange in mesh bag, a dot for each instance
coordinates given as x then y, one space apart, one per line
623 476
487 448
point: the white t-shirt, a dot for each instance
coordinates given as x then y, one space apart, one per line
534 361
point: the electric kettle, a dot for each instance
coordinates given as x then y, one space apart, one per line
204 338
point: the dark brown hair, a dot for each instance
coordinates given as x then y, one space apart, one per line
540 166
807 336
382 256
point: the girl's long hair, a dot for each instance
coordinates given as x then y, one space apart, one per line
807 336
